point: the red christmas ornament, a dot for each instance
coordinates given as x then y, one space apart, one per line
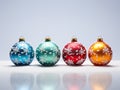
74 53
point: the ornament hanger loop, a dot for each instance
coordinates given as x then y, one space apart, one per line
47 38
21 38
99 39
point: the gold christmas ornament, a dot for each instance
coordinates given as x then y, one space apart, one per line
100 53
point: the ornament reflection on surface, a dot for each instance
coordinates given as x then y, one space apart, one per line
22 81
74 81
100 81
48 81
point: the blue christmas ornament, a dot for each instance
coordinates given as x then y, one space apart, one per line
48 53
21 53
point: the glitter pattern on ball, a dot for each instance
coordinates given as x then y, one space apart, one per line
21 53
48 53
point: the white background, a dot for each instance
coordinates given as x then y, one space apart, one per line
61 20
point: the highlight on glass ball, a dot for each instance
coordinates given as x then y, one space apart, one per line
21 53
48 53
100 53
74 53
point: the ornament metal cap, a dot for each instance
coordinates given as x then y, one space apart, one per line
74 39
21 39
47 39
99 39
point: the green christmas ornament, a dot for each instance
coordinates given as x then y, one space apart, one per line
48 53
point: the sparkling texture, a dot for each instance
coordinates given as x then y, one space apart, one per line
74 53
21 53
48 53
100 53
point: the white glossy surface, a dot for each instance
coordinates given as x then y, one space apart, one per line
59 77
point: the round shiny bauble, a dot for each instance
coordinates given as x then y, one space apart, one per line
74 53
100 53
48 53
21 53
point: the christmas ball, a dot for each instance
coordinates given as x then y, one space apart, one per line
100 53
21 53
74 53
48 53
